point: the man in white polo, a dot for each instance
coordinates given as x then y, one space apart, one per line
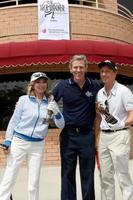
114 141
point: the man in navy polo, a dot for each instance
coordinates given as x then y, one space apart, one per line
77 139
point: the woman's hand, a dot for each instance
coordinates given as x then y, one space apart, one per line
53 106
6 151
5 148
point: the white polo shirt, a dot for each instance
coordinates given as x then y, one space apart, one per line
120 101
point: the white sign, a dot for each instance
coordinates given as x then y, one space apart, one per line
53 19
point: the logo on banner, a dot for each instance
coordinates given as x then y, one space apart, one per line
50 8
44 30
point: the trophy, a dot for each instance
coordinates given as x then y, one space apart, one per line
48 119
108 117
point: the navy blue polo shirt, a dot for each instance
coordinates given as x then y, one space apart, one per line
78 104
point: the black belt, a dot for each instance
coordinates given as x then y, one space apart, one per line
111 131
78 129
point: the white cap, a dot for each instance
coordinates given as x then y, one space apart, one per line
38 75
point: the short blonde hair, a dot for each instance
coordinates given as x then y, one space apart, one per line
30 88
78 57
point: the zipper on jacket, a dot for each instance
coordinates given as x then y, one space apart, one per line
37 119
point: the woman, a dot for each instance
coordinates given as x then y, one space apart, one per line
25 135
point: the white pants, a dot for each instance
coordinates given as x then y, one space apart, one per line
20 150
114 151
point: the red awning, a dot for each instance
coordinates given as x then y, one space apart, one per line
60 51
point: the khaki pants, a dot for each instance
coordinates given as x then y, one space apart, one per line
114 151
20 150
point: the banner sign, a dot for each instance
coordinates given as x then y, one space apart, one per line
53 19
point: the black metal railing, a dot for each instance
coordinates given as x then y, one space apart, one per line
121 10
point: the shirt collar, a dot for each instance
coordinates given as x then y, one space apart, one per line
45 99
113 90
72 82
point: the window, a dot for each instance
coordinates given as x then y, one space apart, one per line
128 4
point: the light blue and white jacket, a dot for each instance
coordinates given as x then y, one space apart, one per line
27 120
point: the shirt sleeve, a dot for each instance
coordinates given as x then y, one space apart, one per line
59 121
57 92
128 99
16 117
98 96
